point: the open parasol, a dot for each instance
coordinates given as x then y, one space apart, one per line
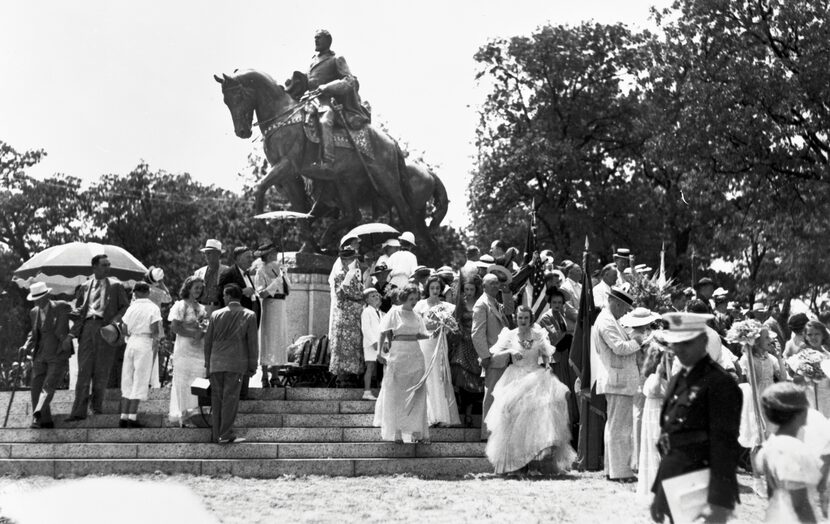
282 215
373 233
65 267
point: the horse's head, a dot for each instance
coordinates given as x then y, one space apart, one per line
241 102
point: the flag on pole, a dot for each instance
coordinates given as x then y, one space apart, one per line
592 407
534 295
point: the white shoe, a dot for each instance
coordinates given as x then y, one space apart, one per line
367 395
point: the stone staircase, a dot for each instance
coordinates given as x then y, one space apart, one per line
289 431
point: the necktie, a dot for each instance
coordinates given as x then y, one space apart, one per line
97 295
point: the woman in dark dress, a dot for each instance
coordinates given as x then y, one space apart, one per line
466 369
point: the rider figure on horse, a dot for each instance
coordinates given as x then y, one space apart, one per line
329 77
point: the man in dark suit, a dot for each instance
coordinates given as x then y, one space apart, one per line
231 353
699 420
101 301
238 274
50 347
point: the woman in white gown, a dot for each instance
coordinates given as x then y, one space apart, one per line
188 320
272 288
441 406
529 416
401 408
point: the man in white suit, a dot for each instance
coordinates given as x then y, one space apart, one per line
489 318
617 378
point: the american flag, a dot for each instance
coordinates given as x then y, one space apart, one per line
534 292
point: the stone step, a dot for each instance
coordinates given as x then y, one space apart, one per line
242 450
247 406
252 468
184 435
64 395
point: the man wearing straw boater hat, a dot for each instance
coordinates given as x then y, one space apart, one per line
617 377
50 347
699 420
210 273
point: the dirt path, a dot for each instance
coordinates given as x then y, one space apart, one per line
580 497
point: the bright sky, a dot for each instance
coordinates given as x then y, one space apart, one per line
103 84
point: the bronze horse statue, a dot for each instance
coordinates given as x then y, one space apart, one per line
383 182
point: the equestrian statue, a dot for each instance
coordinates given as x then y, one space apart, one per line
316 127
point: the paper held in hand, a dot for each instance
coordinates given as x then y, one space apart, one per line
687 494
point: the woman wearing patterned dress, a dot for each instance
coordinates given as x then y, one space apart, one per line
401 408
441 406
345 339
188 320
271 286
464 364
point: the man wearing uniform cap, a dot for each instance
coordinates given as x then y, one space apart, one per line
699 420
617 378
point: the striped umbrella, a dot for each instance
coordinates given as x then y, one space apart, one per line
65 267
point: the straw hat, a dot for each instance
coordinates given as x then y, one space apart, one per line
502 272
37 291
638 317
407 236
112 334
212 245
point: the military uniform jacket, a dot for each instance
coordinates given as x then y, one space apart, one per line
329 70
701 418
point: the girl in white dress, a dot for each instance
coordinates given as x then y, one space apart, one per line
401 408
791 468
188 320
655 369
442 409
529 416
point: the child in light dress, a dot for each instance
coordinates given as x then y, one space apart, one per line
658 360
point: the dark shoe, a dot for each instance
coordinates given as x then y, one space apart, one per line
47 425
35 424
123 423
74 418
231 440
134 424
626 480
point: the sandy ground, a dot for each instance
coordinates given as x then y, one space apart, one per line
579 497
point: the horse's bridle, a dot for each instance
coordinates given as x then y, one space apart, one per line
291 111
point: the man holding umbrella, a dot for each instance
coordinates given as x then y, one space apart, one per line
101 301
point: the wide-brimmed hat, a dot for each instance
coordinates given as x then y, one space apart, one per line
683 326
154 275
621 295
407 236
705 281
444 271
622 253
502 272
485 261
638 317
212 245
112 334
420 270
392 242
642 268
347 238
380 267
38 290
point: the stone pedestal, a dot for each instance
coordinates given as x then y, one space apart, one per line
307 306
309 302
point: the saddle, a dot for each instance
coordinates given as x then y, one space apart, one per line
311 127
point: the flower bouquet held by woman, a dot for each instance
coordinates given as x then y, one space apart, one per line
529 417
806 366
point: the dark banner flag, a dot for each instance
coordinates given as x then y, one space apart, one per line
592 407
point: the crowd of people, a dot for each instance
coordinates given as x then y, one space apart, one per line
685 387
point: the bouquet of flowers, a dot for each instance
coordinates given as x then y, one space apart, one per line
442 319
807 364
744 332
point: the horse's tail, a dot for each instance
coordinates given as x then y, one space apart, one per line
440 201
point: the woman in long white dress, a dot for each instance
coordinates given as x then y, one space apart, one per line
529 416
188 320
401 408
442 409
271 286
